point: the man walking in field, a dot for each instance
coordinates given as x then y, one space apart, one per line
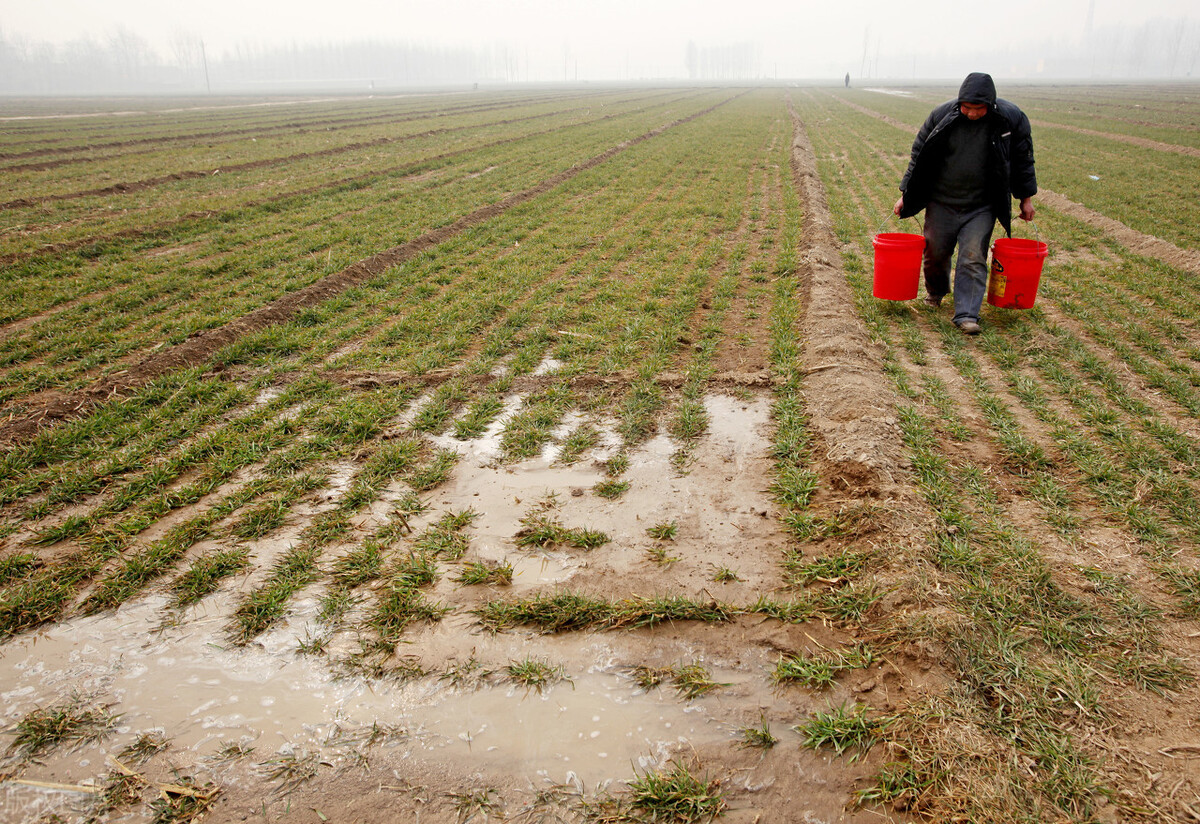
970 158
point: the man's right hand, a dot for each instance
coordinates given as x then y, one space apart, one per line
899 205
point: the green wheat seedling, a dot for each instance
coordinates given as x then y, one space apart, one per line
527 431
478 572
639 412
466 674
297 568
535 675
268 603
832 569
659 555
759 737
690 421
665 531
617 465
820 672
445 538
148 497
88 455
433 474
262 519
648 678
478 417
120 790
400 605
233 751
313 645
850 521
938 394
74 721
485 800
360 565
693 680
435 415
365 736
581 439
675 795
842 729
138 569
206 573
566 611
795 611
143 748
540 530
611 488
335 604
17 565
290 770
42 595
725 575
900 784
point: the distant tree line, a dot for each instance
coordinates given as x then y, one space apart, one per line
736 61
126 63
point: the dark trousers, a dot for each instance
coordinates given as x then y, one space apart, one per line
971 231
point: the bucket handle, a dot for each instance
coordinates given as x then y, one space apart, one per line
888 216
1033 225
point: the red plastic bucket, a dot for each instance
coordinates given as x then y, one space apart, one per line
1016 271
897 265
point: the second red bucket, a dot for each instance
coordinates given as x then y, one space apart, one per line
897 265
1016 272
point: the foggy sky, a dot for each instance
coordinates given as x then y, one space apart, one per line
630 39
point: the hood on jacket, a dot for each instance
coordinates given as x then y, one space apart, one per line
978 88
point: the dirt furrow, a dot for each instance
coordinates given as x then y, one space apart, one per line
1143 142
854 417
1137 242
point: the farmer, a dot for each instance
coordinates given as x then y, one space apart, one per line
970 158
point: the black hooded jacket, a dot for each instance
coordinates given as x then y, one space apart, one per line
1010 151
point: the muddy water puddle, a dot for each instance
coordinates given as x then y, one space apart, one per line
177 673
589 727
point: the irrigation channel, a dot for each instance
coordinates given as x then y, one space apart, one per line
543 456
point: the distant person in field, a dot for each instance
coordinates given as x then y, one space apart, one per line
972 156
847 80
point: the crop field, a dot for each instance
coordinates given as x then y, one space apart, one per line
542 456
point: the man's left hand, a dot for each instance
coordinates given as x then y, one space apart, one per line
1027 211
